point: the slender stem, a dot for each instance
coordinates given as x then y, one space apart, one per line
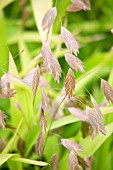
10 143
47 35
56 135
60 20
80 101
56 2
53 120
10 59
58 107
85 76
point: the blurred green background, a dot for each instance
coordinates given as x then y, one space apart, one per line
20 34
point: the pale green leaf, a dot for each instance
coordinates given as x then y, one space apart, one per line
12 65
4 3
24 53
4 158
39 10
14 165
29 161
25 98
12 140
72 119
64 121
16 158
32 137
3 46
30 65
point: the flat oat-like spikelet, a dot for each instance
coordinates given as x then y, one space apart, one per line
95 121
11 94
2 118
7 92
40 144
50 62
72 8
43 122
74 62
44 100
70 83
49 18
28 79
55 162
83 4
70 145
107 89
35 81
79 5
69 40
80 114
5 84
73 161
96 106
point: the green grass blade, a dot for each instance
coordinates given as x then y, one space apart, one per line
29 161
25 55
32 137
14 165
4 158
71 119
90 74
16 158
25 98
12 65
64 121
3 46
5 3
12 140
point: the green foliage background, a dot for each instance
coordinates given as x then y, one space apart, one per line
18 31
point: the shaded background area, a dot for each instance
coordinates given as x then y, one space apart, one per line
19 35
